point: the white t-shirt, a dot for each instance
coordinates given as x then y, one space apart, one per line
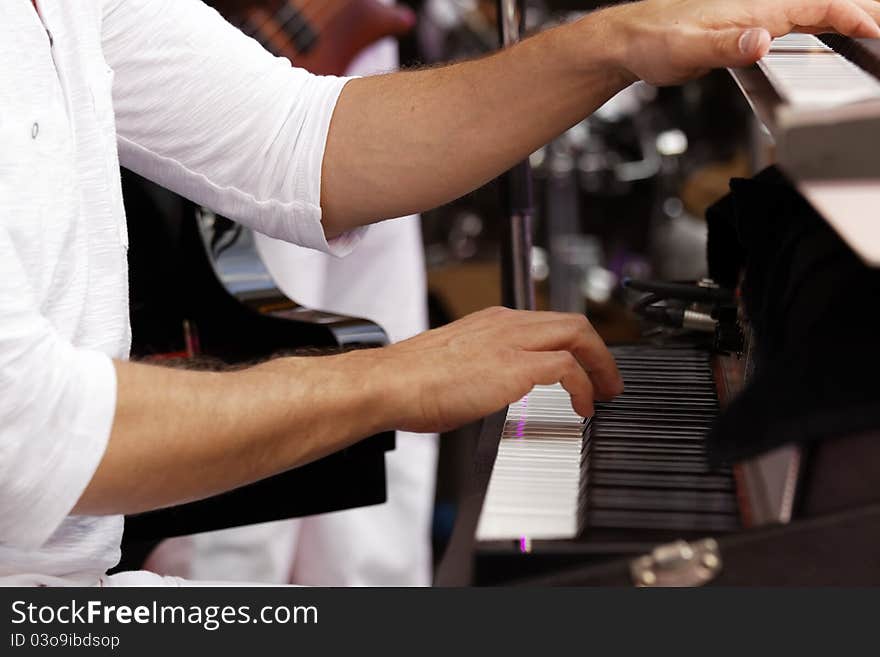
187 101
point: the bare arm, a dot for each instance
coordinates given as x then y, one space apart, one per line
179 436
182 435
409 141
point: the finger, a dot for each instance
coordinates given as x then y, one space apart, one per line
554 331
549 367
738 47
573 333
870 7
596 360
852 19
843 16
753 44
578 386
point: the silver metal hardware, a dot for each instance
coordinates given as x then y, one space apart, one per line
521 245
698 321
678 564
509 19
522 286
35 130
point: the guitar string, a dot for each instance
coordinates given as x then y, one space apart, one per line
256 20
316 22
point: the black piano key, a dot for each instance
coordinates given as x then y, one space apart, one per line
864 53
654 433
632 446
656 404
620 416
642 455
705 481
662 499
644 463
648 465
637 520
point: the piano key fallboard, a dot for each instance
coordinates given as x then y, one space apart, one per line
638 464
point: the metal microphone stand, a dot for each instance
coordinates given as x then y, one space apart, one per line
517 288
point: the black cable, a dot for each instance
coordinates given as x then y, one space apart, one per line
681 291
645 301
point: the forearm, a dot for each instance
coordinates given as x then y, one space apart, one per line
179 436
409 141
183 435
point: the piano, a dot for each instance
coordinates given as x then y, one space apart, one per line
646 492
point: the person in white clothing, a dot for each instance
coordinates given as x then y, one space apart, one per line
173 92
383 280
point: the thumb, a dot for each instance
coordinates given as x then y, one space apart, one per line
738 47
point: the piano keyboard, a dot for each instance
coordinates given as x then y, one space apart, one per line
806 72
639 463
535 483
819 100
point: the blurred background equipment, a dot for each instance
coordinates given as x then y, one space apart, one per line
619 195
517 285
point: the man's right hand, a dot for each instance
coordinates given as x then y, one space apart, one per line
667 42
473 367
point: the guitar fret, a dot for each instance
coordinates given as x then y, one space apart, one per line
291 20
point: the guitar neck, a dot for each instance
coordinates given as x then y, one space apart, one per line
322 36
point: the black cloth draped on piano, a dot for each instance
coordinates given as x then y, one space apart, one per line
814 309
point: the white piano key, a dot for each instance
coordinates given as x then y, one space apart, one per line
535 484
807 73
541 473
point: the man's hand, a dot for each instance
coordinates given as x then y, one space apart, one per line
459 373
179 436
667 42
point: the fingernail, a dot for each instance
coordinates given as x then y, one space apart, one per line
749 41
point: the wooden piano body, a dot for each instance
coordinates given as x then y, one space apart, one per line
806 513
